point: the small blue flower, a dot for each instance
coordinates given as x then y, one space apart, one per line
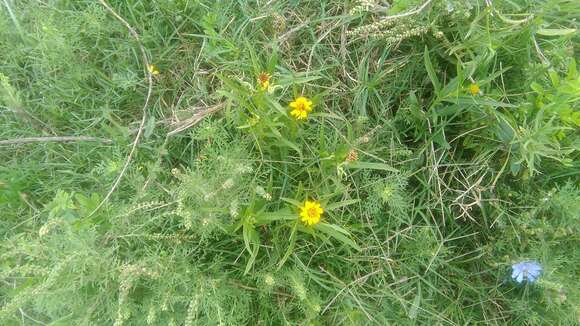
526 270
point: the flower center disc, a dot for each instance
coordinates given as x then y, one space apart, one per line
312 212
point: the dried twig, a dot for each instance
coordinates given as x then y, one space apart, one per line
145 105
541 55
55 139
197 117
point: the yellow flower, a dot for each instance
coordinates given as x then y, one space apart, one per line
311 212
264 81
474 89
153 70
300 108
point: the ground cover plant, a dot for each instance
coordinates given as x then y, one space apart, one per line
404 162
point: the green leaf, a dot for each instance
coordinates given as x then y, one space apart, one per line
252 259
336 228
451 89
431 71
86 205
415 307
556 31
479 101
253 56
276 134
576 118
296 79
554 78
343 203
277 106
441 141
282 215
273 59
250 236
327 115
292 202
292 145
290 249
370 166
572 72
537 88
337 233
252 243
515 167
149 127
448 110
504 131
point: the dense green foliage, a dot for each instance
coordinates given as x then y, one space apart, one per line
443 146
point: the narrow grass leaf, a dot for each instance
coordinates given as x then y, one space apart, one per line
371 166
340 204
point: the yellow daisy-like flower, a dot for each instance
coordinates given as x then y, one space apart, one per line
264 81
301 107
153 70
474 89
311 212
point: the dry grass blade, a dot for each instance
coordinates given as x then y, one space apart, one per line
55 139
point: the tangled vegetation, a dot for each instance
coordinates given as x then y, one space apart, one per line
289 162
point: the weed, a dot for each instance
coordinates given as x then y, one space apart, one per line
300 163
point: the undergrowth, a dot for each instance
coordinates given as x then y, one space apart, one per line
302 163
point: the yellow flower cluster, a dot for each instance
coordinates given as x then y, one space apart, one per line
301 106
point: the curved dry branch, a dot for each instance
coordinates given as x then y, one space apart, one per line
145 105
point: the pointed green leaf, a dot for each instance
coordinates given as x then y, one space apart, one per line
292 202
340 204
431 71
415 307
252 259
337 233
556 31
281 215
370 166
250 236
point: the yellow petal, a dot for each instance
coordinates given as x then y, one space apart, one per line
474 89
